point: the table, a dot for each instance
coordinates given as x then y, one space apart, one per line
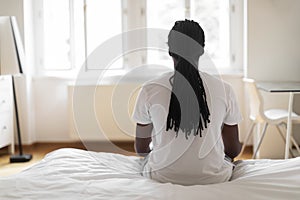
287 87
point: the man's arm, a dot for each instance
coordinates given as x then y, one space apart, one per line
143 139
230 135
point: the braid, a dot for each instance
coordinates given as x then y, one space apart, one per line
188 109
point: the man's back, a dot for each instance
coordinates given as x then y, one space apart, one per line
196 160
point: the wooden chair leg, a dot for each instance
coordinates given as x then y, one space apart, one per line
260 141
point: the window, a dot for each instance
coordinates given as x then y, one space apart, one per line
103 21
73 29
213 16
56 35
157 17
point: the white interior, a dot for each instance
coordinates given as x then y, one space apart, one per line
271 52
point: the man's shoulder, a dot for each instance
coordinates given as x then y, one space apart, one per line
214 79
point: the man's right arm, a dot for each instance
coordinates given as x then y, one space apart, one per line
143 139
232 145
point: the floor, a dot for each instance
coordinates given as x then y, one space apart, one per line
39 150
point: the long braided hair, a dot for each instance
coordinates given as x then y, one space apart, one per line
188 109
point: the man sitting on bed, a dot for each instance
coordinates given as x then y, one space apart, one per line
190 117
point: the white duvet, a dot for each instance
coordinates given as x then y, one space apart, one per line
78 174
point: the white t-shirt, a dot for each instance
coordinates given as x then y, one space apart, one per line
196 160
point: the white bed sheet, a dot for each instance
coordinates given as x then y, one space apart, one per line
78 174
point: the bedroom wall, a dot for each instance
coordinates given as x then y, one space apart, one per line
273 30
13 8
51 109
54 113
45 116
49 118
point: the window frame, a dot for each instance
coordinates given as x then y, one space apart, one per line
136 9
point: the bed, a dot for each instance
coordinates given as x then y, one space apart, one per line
78 174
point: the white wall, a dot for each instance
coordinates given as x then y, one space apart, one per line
272 53
13 8
273 40
55 113
55 121
51 109
102 112
273 29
